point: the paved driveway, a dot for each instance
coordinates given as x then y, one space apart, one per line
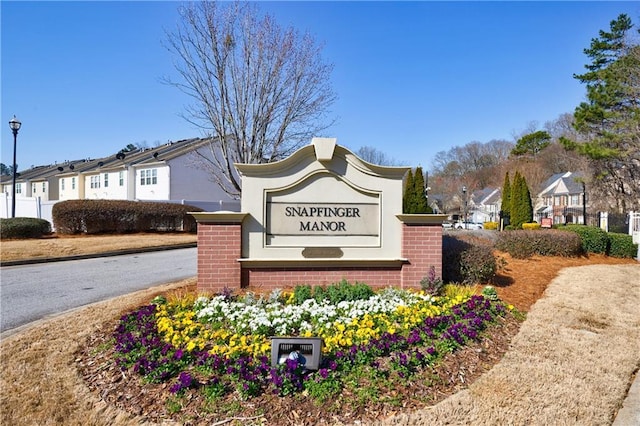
32 292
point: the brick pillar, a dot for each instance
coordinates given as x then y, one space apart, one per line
421 246
219 251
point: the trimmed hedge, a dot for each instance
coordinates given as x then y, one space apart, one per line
492 226
532 226
621 245
524 244
594 239
467 262
24 227
120 216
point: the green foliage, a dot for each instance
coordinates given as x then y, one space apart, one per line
506 196
334 293
520 203
24 227
415 200
621 245
466 262
407 198
120 216
594 239
490 293
432 284
491 226
524 244
531 226
532 143
608 120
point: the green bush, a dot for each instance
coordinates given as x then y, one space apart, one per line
492 226
334 293
531 226
594 239
621 245
467 262
24 227
524 244
120 216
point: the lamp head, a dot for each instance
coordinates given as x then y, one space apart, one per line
15 124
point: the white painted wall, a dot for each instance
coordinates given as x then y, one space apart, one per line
154 192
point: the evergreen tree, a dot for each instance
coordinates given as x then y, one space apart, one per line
521 206
532 143
609 120
506 196
420 198
407 199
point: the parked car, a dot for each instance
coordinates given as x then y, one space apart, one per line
468 225
447 225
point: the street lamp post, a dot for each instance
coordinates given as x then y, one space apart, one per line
14 124
464 217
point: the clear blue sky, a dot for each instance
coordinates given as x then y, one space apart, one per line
412 78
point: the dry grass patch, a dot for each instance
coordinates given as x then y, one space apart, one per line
39 379
69 245
570 364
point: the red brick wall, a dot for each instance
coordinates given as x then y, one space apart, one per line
269 279
422 245
219 248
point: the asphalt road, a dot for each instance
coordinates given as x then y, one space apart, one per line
32 292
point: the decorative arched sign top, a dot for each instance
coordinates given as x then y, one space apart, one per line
322 196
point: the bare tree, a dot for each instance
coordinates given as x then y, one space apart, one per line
259 91
374 156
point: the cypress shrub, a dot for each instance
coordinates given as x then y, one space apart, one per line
407 199
24 227
506 196
621 245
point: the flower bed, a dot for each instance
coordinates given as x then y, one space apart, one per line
218 346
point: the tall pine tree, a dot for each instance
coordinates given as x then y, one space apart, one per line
521 206
506 196
407 199
610 117
420 198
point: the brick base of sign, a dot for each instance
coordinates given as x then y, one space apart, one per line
220 250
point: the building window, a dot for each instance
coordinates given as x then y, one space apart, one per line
106 180
18 188
575 200
149 177
44 187
95 182
62 184
33 188
73 183
121 178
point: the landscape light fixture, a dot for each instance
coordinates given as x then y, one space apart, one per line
14 124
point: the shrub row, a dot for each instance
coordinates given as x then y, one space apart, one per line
467 262
24 227
596 240
524 244
120 216
621 245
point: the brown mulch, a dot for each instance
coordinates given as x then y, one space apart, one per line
519 282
